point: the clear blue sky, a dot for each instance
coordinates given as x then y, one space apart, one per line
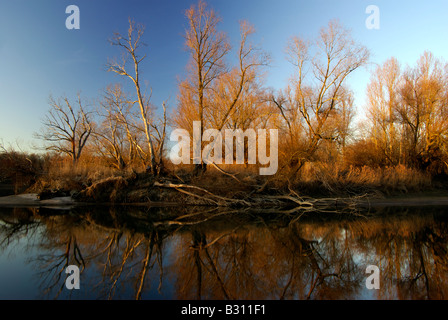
39 56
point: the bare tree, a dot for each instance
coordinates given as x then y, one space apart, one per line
67 128
118 136
130 44
423 110
213 93
160 137
383 100
315 92
234 90
207 47
408 111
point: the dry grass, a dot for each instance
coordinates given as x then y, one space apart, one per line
314 179
61 174
338 179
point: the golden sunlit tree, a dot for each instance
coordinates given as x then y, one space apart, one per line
214 93
383 98
207 47
408 113
423 112
316 90
235 91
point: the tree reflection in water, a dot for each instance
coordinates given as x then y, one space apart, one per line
149 253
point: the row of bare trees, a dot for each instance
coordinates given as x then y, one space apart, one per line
314 113
408 110
122 127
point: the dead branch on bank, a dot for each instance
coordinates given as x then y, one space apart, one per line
211 197
288 203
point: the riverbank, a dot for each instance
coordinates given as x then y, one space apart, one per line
314 187
32 200
422 199
413 200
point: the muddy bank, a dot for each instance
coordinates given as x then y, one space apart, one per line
32 200
418 201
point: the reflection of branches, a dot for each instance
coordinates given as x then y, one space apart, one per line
419 250
17 224
198 241
130 258
420 241
412 253
54 266
157 241
130 248
320 276
200 246
226 264
216 273
314 260
189 221
15 230
239 256
289 282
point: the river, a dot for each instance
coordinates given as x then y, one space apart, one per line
168 253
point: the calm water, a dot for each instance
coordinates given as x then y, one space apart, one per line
128 253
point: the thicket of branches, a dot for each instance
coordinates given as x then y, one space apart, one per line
407 109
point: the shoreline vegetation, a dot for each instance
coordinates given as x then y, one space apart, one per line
317 187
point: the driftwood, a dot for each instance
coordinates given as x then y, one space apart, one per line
288 203
210 197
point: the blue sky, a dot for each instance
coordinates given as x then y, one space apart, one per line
39 56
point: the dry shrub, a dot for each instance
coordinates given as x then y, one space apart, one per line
220 183
364 153
109 190
18 170
61 174
338 179
313 179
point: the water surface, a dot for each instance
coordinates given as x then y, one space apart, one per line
192 253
